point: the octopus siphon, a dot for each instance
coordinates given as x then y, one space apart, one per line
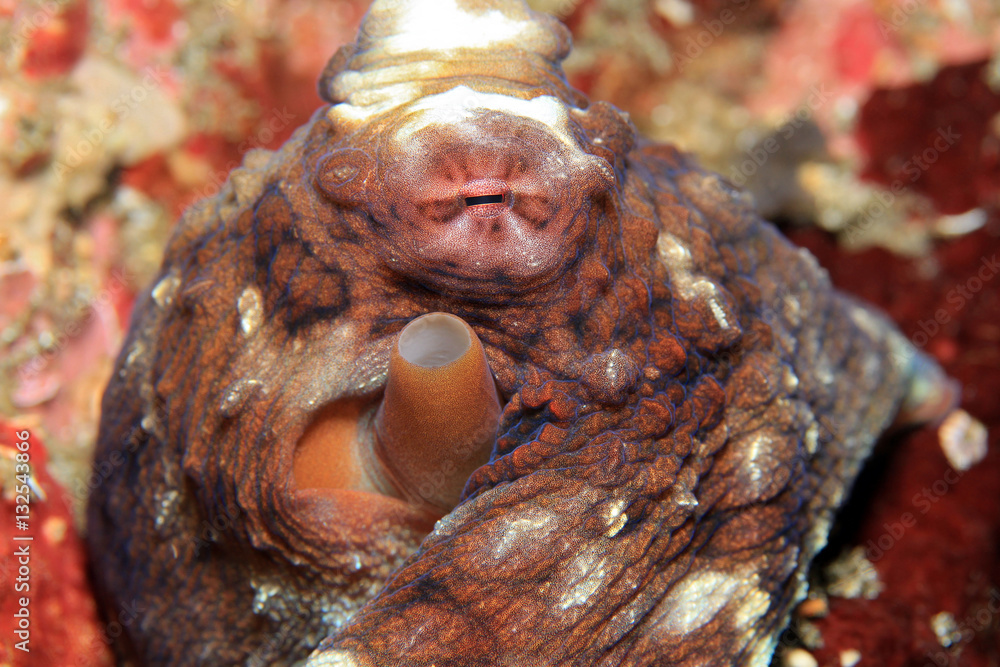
470 373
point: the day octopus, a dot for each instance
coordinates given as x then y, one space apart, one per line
469 373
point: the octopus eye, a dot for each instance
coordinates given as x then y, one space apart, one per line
484 199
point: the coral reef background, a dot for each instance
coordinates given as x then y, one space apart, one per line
868 129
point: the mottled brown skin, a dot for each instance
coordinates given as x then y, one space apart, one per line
659 448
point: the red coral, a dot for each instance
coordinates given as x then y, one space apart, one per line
61 623
55 38
936 137
150 23
857 42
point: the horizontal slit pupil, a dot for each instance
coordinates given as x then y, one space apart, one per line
484 199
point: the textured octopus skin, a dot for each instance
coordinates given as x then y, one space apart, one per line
686 399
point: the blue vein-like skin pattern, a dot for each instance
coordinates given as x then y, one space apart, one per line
686 400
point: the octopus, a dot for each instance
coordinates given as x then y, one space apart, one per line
470 373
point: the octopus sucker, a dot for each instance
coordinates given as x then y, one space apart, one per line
469 372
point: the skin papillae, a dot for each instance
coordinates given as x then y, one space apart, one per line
685 399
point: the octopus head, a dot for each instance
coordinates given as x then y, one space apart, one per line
475 182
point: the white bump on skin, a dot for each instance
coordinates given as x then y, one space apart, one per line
618 524
754 605
166 508
263 592
616 518
677 259
236 395
516 532
757 464
812 438
148 423
791 308
717 311
251 310
137 351
163 293
758 461
614 361
673 253
699 597
586 576
790 380
696 601
683 496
